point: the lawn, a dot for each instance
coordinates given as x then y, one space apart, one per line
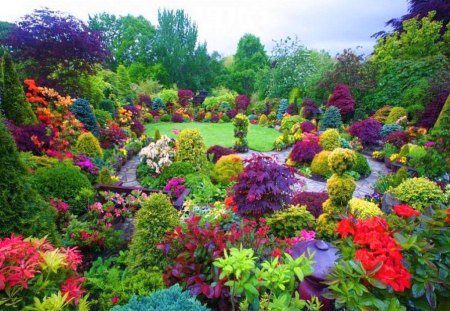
259 138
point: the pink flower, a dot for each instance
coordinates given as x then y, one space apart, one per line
307 235
72 287
115 300
73 257
175 131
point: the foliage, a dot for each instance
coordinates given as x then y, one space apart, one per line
112 135
240 124
176 169
430 164
288 122
288 222
419 192
83 112
340 189
123 84
263 120
202 189
330 139
170 299
217 152
107 105
158 155
319 164
305 149
309 108
156 216
282 108
88 144
367 130
363 209
343 100
389 128
25 137
13 104
102 117
263 186
175 186
331 119
395 114
227 168
361 165
158 104
384 182
191 148
307 127
242 102
397 139
443 115
341 160
431 113
382 113
312 200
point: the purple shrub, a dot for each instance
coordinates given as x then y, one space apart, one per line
23 136
185 97
431 112
133 109
113 135
397 138
215 118
307 126
145 100
177 118
312 200
137 127
232 113
217 152
264 186
242 102
343 100
367 130
292 109
304 150
309 108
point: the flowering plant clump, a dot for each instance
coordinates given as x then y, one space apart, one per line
34 273
158 155
63 215
397 158
404 210
175 186
377 155
86 164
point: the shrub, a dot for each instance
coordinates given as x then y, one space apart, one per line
395 114
397 139
432 110
263 120
312 200
145 100
88 144
288 222
158 155
343 100
185 97
227 167
340 189
102 116
156 216
176 169
361 166
164 118
341 160
263 186
309 108
158 104
23 136
157 135
168 96
319 164
111 136
225 118
331 119
83 112
107 105
389 128
218 151
169 299
224 107
307 126
177 118
282 108
288 122
368 131
242 102
305 149
420 193
363 209
191 149
330 139
382 114
442 120
384 182
137 127
104 177
232 113
202 189
240 124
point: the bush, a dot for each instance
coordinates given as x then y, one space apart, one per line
382 114
83 112
368 131
263 120
309 108
288 122
419 193
218 151
107 105
397 139
242 102
170 299
202 189
361 166
87 144
288 222
319 164
111 136
263 186
240 124
341 160
23 136
104 177
226 168
282 108
177 118
343 100
185 97
389 128
307 126
137 127
232 113
384 182
331 119
164 118
225 118
442 120
158 105
363 209
330 139
340 189
176 169
395 114
168 96
305 149
156 216
432 110
191 149
312 200
102 116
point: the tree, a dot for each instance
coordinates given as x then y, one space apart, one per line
123 83
13 103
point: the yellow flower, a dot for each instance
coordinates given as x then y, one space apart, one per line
393 157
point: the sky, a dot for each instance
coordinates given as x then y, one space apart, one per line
331 25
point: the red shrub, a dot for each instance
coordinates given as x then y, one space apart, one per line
343 100
242 102
312 200
431 113
307 127
185 97
305 149
397 138
309 108
368 131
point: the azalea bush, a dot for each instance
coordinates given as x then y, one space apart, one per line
158 155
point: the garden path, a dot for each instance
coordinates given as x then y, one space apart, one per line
127 173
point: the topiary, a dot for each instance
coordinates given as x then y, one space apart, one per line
240 124
87 144
102 116
330 139
263 120
319 164
362 165
340 190
191 149
363 209
83 112
153 220
63 181
331 119
157 135
419 192
226 168
343 100
382 113
282 108
341 160
170 299
22 209
107 105
395 114
389 128
288 222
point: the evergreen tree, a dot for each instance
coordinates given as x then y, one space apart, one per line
14 105
123 83
331 119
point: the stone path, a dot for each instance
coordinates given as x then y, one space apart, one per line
127 173
363 187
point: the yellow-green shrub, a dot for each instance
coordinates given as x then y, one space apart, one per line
419 192
227 166
395 114
326 227
104 177
88 144
191 149
340 189
382 113
288 222
330 139
319 164
263 120
341 160
363 209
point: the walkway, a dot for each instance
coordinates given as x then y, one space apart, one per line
127 173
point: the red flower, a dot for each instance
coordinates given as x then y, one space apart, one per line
276 252
404 210
345 227
115 300
448 215
72 286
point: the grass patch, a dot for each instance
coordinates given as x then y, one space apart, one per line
259 138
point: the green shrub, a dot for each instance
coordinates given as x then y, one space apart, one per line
331 119
395 114
341 160
170 299
416 152
63 181
157 136
384 182
168 96
363 209
176 169
104 177
419 193
319 164
202 189
102 116
288 122
330 139
226 167
89 145
340 189
164 118
191 149
361 166
288 222
263 120
156 216
443 118
107 105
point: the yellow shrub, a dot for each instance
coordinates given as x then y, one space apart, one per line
340 189
363 209
191 149
88 144
319 164
227 167
330 139
341 160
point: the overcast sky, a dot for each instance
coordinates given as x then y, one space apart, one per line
331 25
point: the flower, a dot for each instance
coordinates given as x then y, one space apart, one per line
345 228
307 235
72 287
175 131
404 210
276 252
115 300
73 257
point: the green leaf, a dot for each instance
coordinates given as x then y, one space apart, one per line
376 283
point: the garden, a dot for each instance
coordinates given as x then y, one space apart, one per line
289 180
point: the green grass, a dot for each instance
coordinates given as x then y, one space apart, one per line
259 138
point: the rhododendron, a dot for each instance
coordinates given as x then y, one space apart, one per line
404 210
175 186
